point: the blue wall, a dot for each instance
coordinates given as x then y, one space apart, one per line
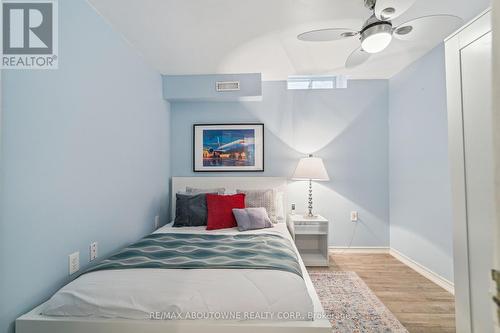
346 127
420 194
85 158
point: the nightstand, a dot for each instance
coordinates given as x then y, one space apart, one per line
311 238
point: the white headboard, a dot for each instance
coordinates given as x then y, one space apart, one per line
229 183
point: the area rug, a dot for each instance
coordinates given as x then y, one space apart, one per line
351 306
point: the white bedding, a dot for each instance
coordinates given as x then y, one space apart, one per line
186 293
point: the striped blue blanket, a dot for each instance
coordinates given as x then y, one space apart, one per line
203 251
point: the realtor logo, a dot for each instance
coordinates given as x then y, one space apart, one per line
30 39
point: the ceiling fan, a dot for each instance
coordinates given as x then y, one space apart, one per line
378 31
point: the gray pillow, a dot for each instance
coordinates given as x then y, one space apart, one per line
252 218
261 198
190 210
194 190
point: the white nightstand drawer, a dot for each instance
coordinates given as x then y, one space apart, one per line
311 229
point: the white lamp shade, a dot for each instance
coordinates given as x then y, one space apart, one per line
310 168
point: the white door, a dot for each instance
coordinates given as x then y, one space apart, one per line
476 64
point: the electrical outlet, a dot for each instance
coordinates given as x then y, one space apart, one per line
74 262
93 251
354 216
157 221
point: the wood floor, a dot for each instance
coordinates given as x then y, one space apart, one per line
419 304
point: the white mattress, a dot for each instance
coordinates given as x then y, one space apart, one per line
186 293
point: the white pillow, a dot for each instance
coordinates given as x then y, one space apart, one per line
280 206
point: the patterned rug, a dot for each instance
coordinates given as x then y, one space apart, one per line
351 306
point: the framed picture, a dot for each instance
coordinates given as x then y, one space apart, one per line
228 147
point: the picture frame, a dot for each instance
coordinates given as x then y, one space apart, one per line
229 147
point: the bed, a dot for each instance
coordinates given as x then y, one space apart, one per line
188 300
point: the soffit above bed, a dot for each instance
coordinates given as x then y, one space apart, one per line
179 37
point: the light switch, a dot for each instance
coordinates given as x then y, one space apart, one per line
354 216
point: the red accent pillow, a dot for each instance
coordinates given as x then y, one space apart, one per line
220 210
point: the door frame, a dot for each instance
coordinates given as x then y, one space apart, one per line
496 133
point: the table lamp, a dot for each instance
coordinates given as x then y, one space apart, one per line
310 168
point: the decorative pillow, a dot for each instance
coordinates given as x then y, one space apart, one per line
193 190
252 218
261 198
220 210
190 210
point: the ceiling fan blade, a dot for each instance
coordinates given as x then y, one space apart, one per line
423 28
327 35
390 9
356 58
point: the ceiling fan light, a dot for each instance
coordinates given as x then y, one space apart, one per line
377 42
377 37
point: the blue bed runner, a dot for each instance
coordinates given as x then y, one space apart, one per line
202 251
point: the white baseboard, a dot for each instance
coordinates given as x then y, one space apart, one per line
434 277
359 249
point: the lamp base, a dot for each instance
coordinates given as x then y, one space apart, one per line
310 214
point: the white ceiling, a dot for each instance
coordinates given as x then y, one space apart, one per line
243 36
